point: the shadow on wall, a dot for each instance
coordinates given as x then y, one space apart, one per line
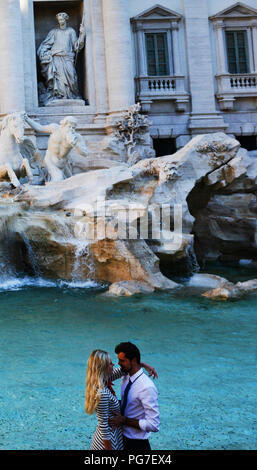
248 142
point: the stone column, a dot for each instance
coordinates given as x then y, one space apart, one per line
141 52
221 61
98 44
254 35
204 116
118 53
175 44
12 95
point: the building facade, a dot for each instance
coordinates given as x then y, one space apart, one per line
192 64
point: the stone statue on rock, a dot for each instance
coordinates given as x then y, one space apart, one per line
13 165
57 55
63 138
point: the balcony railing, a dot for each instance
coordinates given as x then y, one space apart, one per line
238 83
243 82
233 86
166 87
162 84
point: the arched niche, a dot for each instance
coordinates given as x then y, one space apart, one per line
45 19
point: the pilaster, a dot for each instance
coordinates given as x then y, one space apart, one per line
141 51
204 116
118 52
100 76
175 45
254 37
221 61
12 95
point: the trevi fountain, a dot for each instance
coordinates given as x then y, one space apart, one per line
159 251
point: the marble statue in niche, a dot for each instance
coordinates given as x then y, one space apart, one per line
58 55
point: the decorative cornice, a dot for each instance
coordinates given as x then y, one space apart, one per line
157 13
238 11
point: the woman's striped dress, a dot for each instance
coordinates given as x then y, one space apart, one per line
107 404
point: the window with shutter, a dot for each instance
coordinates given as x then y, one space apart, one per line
237 51
157 54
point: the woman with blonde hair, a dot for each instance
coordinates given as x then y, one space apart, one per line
101 399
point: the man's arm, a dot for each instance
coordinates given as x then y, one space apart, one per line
38 127
80 146
151 421
118 420
149 400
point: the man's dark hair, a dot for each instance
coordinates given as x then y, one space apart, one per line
130 350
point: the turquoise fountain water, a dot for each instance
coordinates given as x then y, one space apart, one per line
204 352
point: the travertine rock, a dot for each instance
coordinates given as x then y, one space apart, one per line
193 178
129 288
226 228
232 291
247 286
77 192
220 293
206 280
128 260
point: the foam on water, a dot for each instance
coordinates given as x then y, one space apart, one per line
16 283
12 280
86 284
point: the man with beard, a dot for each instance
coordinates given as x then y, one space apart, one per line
57 56
139 401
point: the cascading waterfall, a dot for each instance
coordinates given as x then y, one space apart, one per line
82 250
82 262
19 266
8 276
191 260
12 274
31 256
7 271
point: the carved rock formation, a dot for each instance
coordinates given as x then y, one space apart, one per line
211 179
229 290
129 288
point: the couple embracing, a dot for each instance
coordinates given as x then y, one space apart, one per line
124 425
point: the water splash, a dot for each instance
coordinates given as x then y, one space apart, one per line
83 261
14 276
14 283
7 270
87 284
191 260
31 256
11 280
